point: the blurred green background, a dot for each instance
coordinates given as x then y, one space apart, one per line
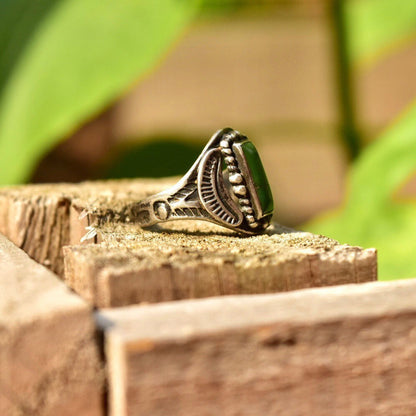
326 89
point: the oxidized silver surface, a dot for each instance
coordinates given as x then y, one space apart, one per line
207 192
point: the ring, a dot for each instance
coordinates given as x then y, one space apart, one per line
227 185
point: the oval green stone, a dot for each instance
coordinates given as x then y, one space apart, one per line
259 177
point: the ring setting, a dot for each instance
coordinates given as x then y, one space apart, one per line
227 185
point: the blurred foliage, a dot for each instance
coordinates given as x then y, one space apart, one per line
365 31
174 157
221 7
349 131
374 215
64 61
375 27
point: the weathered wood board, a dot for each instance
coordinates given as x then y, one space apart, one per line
347 351
50 360
41 219
194 260
183 260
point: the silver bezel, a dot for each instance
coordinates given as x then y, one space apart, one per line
241 160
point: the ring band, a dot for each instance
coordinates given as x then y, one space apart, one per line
227 185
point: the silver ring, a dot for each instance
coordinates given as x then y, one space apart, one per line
227 185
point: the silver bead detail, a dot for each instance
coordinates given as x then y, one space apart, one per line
243 201
232 168
229 160
240 190
236 179
253 224
250 219
224 144
162 210
226 151
247 210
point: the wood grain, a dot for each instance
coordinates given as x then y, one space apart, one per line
187 259
192 259
50 360
346 351
41 219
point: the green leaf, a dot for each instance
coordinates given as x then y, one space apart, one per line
375 26
76 57
18 20
373 215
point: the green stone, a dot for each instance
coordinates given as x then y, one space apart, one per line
259 177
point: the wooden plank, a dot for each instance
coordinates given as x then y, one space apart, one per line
174 261
196 259
41 219
50 360
345 351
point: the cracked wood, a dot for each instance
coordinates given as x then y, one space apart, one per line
346 351
49 356
197 259
187 259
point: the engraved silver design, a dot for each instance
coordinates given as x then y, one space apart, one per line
206 192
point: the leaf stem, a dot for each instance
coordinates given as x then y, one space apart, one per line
345 85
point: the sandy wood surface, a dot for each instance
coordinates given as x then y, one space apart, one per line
41 219
194 260
174 261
